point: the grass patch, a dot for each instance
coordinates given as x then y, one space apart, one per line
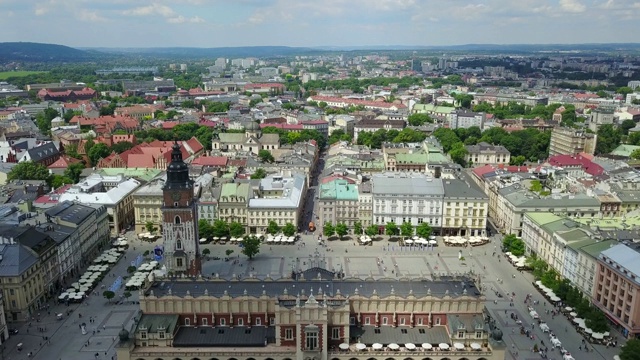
4 75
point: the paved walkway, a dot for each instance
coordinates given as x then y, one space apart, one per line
68 343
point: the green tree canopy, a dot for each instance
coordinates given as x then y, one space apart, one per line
328 229
28 170
273 228
630 350
341 229
371 230
121 146
635 154
419 119
74 171
204 229
236 229
260 173
357 228
289 229
265 156
150 227
251 246
424 230
97 152
220 228
391 229
406 229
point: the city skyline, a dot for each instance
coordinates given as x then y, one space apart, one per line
221 23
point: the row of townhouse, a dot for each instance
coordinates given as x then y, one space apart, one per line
37 260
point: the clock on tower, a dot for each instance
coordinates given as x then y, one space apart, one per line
180 219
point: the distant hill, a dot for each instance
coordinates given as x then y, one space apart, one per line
36 52
194 52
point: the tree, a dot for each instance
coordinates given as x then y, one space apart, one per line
58 181
236 229
406 229
121 147
220 228
357 228
228 252
371 230
206 252
328 229
289 229
131 269
205 230
391 229
28 170
259 174
635 154
419 119
517 160
424 230
43 119
74 171
626 125
108 295
631 350
624 91
126 294
150 227
265 156
341 230
97 152
633 138
608 139
273 227
514 245
251 246
458 154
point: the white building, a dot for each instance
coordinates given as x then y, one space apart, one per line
466 119
276 198
115 192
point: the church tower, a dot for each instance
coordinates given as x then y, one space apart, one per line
180 219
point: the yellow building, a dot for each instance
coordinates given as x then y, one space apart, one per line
21 276
147 204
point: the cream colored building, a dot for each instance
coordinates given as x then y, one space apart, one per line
338 201
233 202
567 141
22 281
147 204
261 320
365 202
276 198
487 154
465 209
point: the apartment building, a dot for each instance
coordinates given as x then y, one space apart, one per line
617 285
407 197
465 208
114 192
147 203
365 202
338 201
208 205
276 198
22 279
486 154
234 201
568 141
466 119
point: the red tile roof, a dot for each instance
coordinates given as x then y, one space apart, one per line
586 164
52 198
480 171
167 125
63 162
283 126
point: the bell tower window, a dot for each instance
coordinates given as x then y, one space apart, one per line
177 220
179 245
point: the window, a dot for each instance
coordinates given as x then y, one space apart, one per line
352 320
258 321
402 321
143 334
460 334
177 220
478 334
161 335
179 262
335 333
311 340
205 321
272 321
179 245
288 334
419 321
240 321
367 321
223 321
384 321
187 322
437 321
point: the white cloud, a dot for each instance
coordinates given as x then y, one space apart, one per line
573 6
41 9
153 9
181 20
89 16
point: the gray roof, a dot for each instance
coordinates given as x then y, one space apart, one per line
16 259
466 322
626 257
27 236
42 152
459 189
386 335
486 147
383 287
224 336
411 184
71 212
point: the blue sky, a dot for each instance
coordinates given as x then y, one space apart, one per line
215 23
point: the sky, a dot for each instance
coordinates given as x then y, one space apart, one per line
218 23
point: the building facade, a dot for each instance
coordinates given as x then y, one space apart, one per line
567 141
261 320
180 219
487 154
338 202
465 209
276 198
147 204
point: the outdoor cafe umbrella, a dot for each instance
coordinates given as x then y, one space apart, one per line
376 346
361 346
458 346
427 346
344 346
475 346
410 346
443 346
393 346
